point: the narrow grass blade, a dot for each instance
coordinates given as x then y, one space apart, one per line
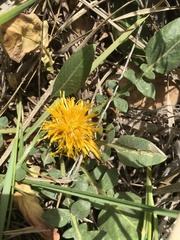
115 44
104 199
8 182
6 16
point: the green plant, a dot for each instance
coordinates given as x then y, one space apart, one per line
91 186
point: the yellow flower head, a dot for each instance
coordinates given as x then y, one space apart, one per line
72 128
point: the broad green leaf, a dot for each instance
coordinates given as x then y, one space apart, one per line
55 173
98 235
163 49
81 183
112 84
89 164
110 133
147 89
100 98
137 152
98 172
92 189
121 223
74 71
81 208
20 174
109 180
138 143
33 151
67 202
130 75
149 74
76 233
50 194
57 217
125 93
83 234
6 16
121 104
3 122
106 153
47 158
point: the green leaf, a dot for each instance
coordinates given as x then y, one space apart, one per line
122 10
98 172
121 104
147 89
74 71
79 233
147 73
50 194
136 143
3 122
109 180
10 174
81 183
55 173
20 174
57 217
100 98
163 49
110 133
102 199
130 75
47 157
83 234
112 84
121 223
106 153
97 235
92 189
117 42
81 208
137 152
124 7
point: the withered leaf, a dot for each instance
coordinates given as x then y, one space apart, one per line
21 35
29 206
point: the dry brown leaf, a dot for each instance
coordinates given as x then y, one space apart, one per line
29 206
34 171
21 35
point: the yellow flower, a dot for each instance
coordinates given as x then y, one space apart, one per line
72 128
